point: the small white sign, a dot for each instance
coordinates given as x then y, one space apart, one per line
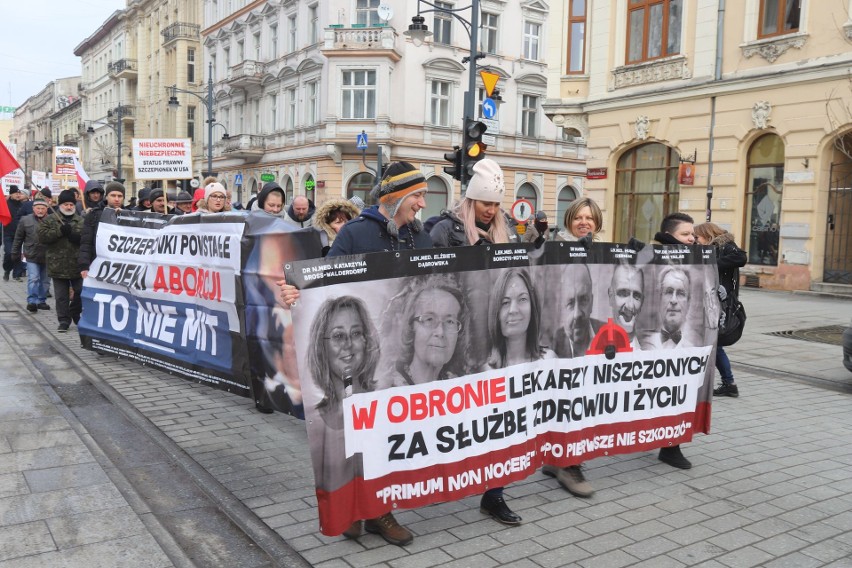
162 158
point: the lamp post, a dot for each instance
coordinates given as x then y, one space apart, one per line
418 31
207 102
119 110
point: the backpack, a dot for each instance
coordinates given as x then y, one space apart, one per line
733 316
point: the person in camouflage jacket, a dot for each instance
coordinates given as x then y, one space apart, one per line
60 235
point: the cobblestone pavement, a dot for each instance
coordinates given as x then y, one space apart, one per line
770 486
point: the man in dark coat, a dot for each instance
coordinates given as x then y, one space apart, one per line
16 269
60 235
26 239
93 195
88 250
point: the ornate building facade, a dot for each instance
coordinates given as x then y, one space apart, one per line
753 97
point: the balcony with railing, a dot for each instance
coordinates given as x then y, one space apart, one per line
122 69
180 30
246 73
125 112
348 39
249 147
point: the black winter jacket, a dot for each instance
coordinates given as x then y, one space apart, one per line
369 233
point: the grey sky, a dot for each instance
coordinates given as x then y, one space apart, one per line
38 41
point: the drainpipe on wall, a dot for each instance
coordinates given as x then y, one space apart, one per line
720 33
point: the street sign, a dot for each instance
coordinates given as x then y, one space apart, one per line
521 210
362 141
489 81
267 177
238 179
489 108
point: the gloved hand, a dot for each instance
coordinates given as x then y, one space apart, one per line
635 244
16 257
586 241
65 229
722 292
541 226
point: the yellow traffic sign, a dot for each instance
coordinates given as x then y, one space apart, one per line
489 80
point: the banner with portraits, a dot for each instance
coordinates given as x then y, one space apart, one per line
431 375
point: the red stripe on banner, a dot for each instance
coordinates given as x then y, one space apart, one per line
366 499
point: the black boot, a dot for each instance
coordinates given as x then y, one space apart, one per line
495 506
674 457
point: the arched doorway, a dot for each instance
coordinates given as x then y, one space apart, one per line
361 185
763 199
646 190
566 196
527 191
436 197
838 234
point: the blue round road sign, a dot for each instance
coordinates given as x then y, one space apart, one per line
489 108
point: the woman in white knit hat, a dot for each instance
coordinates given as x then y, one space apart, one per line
215 199
478 217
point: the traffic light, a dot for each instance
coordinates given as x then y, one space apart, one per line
474 147
455 158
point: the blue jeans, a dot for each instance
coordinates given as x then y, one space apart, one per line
724 366
37 282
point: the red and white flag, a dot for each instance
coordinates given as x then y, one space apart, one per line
8 164
82 176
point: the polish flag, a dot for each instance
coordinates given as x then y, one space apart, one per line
8 164
82 176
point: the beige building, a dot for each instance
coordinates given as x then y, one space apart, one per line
755 92
297 82
32 130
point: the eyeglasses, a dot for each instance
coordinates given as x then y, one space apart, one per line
431 321
216 196
340 338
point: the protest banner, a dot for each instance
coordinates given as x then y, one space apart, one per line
162 158
196 296
63 161
14 177
428 376
164 291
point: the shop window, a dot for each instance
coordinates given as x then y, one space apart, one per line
763 199
567 196
360 185
527 191
646 190
437 198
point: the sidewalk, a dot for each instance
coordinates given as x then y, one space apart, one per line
771 485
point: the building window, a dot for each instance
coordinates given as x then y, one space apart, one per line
190 123
313 102
529 115
241 51
256 39
273 112
226 119
440 103
653 29
238 114
313 15
576 36
256 114
288 190
566 197
190 65
291 108
273 42
227 58
367 12
361 185
443 24
291 31
437 197
527 191
359 94
488 37
779 17
310 186
532 38
763 199
646 190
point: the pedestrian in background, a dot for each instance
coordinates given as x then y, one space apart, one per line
26 240
215 199
583 219
60 234
332 215
729 259
15 269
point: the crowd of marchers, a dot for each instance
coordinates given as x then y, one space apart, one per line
57 239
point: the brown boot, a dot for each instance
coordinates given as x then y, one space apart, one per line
354 530
389 529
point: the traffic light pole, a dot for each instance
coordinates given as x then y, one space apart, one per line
470 97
